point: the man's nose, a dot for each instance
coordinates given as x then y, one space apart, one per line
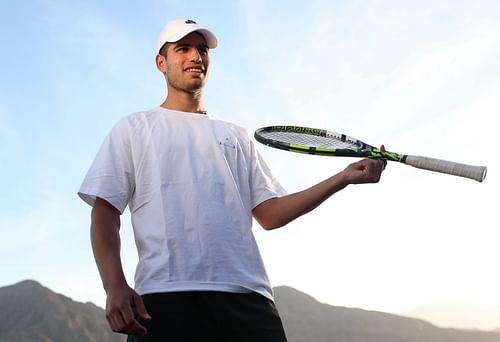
195 55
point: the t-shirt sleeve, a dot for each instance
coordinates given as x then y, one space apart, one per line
111 175
263 184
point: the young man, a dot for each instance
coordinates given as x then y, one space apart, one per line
192 184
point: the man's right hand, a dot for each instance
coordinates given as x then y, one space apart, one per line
123 306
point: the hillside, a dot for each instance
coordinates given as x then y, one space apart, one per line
306 319
33 313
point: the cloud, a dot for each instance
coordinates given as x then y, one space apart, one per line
462 134
448 59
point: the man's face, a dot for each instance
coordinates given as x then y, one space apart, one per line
187 63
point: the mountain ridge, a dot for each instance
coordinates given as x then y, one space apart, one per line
305 319
33 313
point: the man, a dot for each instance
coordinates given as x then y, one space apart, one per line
192 184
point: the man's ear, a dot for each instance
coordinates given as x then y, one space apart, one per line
161 63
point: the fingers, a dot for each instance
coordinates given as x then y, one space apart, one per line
121 317
123 321
365 171
382 148
373 170
140 308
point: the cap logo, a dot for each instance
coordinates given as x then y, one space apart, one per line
189 21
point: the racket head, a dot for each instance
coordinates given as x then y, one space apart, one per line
327 143
312 141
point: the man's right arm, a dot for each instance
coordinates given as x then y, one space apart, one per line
122 301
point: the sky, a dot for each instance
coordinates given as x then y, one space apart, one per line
421 77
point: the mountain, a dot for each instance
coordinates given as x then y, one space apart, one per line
459 315
30 312
305 319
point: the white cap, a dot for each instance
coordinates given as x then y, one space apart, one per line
177 29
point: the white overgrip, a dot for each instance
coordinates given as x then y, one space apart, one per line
462 170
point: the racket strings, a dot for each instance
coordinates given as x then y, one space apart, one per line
309 140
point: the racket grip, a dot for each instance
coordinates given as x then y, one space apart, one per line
477 173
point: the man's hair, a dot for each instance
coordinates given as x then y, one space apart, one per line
163 50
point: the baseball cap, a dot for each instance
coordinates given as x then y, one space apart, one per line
177 29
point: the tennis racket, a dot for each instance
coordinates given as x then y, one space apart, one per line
325 143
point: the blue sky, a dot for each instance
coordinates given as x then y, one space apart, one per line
421 77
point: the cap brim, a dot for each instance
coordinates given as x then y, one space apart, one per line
209 37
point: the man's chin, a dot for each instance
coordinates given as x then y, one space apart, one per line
193 86
196 86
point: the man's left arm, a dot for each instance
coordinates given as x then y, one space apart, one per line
279 211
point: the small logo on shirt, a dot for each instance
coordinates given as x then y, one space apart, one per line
226 142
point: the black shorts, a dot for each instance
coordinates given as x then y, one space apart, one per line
208 316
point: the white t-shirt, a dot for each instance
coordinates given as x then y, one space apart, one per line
191 183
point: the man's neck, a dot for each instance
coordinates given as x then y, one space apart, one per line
187 102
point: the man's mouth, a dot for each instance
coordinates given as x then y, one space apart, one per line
194 70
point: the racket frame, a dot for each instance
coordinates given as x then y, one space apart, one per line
363 150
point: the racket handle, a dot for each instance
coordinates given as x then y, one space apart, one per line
462 170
